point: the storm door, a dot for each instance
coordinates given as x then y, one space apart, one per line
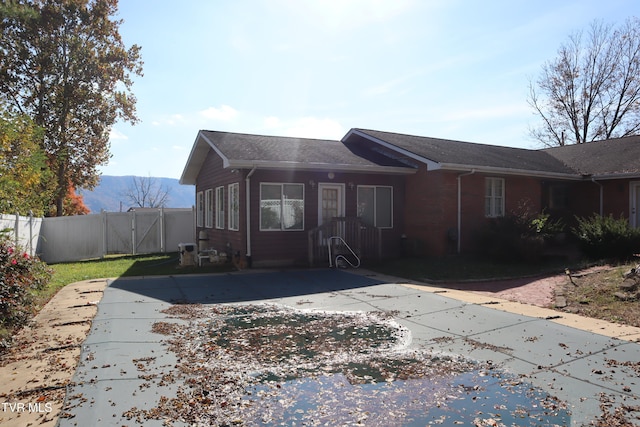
330 206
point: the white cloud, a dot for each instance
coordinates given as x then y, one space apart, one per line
115 134
175 119
272 122
386 87
312 127
224 113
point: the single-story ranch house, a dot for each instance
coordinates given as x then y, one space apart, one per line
279 200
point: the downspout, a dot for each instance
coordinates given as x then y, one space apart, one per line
247 181
601 195
460 205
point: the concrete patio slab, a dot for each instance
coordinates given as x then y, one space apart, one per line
625 332
123 362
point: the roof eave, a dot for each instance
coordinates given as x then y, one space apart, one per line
283 165
618 175
510 171
431 165
197 157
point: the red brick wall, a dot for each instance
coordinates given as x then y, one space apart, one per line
430 211
584 198
616 197
432 207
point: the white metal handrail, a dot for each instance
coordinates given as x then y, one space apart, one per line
340 256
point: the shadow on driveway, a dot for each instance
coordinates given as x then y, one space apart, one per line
241 286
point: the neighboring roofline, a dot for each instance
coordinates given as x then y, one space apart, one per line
431 164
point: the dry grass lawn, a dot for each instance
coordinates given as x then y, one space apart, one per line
594 295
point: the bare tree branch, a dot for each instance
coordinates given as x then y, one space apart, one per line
591 90
146 192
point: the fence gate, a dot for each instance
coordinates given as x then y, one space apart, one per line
117 233
146 233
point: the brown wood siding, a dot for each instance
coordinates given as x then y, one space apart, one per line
291 246
211 176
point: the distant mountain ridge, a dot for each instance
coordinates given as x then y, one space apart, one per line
110 194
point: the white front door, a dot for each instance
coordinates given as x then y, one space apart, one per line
330 203
634 214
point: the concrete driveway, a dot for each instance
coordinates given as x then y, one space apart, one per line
121 352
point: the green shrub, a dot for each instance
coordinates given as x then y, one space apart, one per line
604 237
520 235
20 276
505 239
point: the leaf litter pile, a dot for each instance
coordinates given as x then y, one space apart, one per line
273 365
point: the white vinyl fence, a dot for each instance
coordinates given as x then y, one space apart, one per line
23 231
74 238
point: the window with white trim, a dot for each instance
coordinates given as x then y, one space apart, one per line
220 207
375 205
208 208
281 207
234 207
494 197
199 208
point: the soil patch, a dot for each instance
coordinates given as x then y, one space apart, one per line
539 290
593 293
37 368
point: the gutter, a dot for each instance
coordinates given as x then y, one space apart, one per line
621 175
601 195
510 171
291 165
460 205
247 181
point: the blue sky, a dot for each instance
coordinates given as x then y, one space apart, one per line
453 69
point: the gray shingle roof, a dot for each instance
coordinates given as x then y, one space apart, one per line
458 153
610 157
277 152
604 158
238 147
601 158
